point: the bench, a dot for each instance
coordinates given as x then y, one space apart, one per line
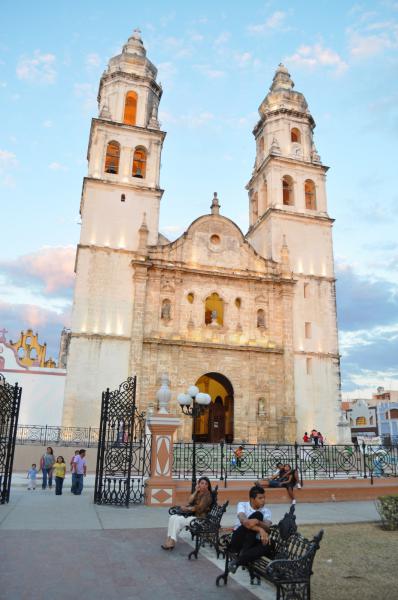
204 530
207 530
290 567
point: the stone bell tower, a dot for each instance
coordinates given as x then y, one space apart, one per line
288 209
120 193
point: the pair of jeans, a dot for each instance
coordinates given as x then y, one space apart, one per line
244 541
59 482
47 474
73 486
78 484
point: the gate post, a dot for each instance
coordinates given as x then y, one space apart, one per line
160 487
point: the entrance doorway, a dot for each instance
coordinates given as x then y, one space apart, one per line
217 421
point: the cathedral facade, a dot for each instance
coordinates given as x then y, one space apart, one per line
250 319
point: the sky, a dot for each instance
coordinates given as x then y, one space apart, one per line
216 61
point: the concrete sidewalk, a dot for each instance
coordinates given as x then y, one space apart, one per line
43 510
70 547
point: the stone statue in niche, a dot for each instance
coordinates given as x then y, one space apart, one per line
260 318
213 317
166 310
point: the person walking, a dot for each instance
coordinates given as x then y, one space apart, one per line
32 475
80 471
46 465
60 472
73 485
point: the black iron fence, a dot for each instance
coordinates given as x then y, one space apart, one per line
259 461
43 435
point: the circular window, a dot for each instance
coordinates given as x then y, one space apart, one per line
215 239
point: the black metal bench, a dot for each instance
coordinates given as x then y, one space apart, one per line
290 565
207 530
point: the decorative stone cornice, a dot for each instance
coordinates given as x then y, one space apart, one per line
99 336
284 160
212 345
292 215
318 354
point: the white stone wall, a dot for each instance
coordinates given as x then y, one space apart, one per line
95 363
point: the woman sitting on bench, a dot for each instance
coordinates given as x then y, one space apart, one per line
198 506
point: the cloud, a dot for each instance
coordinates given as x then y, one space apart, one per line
222 38
317 56
47 124
87 94
166 71
93 60
48 323
56 166
246 59
49 271
366 40
8 161
368 323
363 303
210 72
40 68
189 120
275 22
172 228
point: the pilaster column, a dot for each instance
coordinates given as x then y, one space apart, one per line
160 487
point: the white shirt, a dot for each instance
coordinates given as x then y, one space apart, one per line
80 464
247 509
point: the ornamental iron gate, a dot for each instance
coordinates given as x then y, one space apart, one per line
123 459
10 401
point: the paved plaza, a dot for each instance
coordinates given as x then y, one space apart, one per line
66 547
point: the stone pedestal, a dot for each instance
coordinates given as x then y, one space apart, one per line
160 487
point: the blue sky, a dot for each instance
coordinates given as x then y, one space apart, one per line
216 63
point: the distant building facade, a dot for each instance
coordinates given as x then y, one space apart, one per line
375 417
43 384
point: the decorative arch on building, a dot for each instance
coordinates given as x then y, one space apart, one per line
287 191
130 108
112 157
214 310
310 195
295 135
216 424
139 162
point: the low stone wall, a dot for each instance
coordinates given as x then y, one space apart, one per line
27 454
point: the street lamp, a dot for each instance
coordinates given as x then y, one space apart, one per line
193 404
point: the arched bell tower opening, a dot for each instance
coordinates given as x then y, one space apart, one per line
216 424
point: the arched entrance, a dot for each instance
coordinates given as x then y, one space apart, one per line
217 422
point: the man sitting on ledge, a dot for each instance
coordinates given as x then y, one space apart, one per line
250 536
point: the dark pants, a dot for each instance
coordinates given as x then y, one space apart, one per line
47 473
74 481
244 541
78 484
59 482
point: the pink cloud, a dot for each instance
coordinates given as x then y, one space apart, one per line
51 269
47 323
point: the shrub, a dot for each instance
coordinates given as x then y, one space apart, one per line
387 507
